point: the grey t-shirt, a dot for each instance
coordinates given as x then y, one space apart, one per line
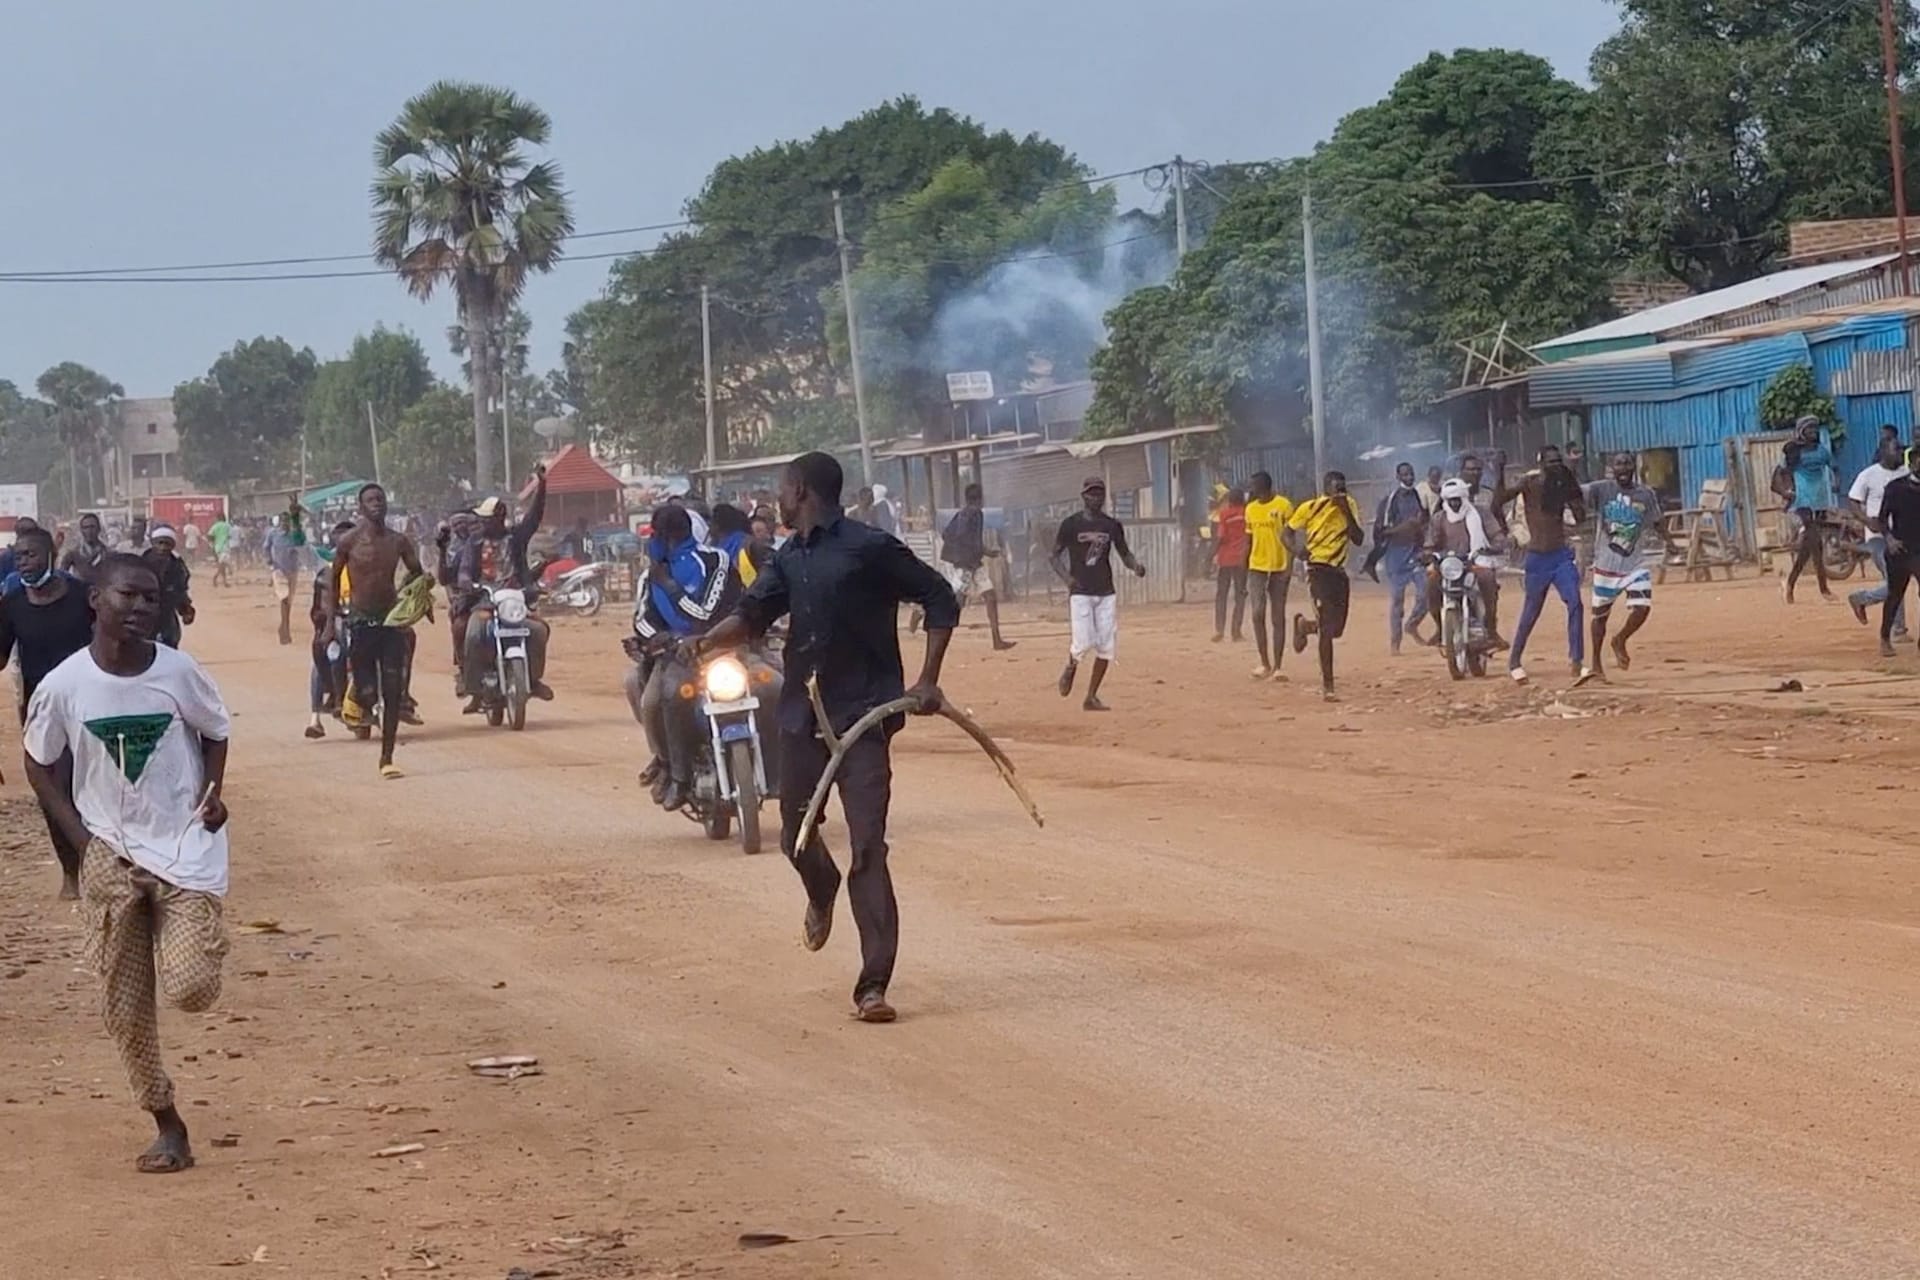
1623 520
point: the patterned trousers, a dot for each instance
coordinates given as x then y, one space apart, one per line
142 930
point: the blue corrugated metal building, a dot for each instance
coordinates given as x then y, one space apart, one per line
1694 396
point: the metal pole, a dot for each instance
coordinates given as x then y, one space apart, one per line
1897 150
1180 206
1316 391
506 441
706 359
373 436
853 343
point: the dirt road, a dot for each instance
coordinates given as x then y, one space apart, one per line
1446 980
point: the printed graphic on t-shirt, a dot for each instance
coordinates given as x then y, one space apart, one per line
1095 541
130 740
1621 521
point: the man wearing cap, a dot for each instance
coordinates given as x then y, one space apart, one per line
1083 557
176 605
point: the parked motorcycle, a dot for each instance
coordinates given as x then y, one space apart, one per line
1463 618
505 688
580 590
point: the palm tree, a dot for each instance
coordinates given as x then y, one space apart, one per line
457 201
83 413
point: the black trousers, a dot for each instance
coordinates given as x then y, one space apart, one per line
1229 579
1901 571
866 787
379 658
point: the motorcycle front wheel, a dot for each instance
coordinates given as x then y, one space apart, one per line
516 693
1453 642
591 605
747 787
1838 557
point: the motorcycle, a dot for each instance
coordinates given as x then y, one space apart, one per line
506 687
579 590
730 764
1463 618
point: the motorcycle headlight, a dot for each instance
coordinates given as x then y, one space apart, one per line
725 680
511 607
1453 569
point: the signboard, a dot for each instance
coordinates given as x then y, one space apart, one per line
970 386
18 500
180 510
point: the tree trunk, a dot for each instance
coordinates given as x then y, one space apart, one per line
478 325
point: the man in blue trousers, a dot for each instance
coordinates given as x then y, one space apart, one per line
1548 494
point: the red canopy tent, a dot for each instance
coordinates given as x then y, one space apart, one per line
579 486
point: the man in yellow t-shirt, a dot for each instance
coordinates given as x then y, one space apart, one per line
1327 525
1269 566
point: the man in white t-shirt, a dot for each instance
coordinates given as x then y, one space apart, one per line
148 735
1863 499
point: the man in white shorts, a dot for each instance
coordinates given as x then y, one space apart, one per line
1083 556
965 553
1626 522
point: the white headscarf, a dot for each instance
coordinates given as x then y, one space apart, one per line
1468 514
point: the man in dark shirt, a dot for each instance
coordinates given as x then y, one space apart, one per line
964 547
842 583
46 620
176 599
1900 517
1399 530
83 554
496 555
1083 557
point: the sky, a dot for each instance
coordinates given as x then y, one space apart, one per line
200 131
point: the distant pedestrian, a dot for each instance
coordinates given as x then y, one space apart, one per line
1229 563
176 599
964 549
1083 554
220 538
285 545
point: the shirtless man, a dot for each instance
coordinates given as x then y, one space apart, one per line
369 555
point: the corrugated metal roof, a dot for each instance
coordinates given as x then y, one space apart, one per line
1676 316
1895 308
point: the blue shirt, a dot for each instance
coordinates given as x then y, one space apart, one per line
1813 477
702 574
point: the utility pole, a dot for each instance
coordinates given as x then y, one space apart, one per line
372 435
506 440
853 343
1897 149
1316 392
706 359
1180 206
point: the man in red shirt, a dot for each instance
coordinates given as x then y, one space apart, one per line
1229 562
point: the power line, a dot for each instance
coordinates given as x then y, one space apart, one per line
298 262
269 276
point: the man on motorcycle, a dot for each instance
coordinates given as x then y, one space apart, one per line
1494 521
697 589
496 556
1458 527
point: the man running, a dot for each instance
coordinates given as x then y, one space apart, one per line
176 599
1863 499
842 584
46 621
1230 563
1326 526
1626 523
1082 556
1548 495
367 557
83 554
1399 531
284 545
220 538
963 546
496 555
1900 516
1269 570
148 736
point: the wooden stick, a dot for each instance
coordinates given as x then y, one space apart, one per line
839 744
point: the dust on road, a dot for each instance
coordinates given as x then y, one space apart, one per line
1445 980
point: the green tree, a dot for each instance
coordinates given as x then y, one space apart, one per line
30 448
1434 222
763 242
459 202
432 453
84 414
388 369
1717 124
242 420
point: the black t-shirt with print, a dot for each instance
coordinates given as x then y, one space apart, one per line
1090 542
